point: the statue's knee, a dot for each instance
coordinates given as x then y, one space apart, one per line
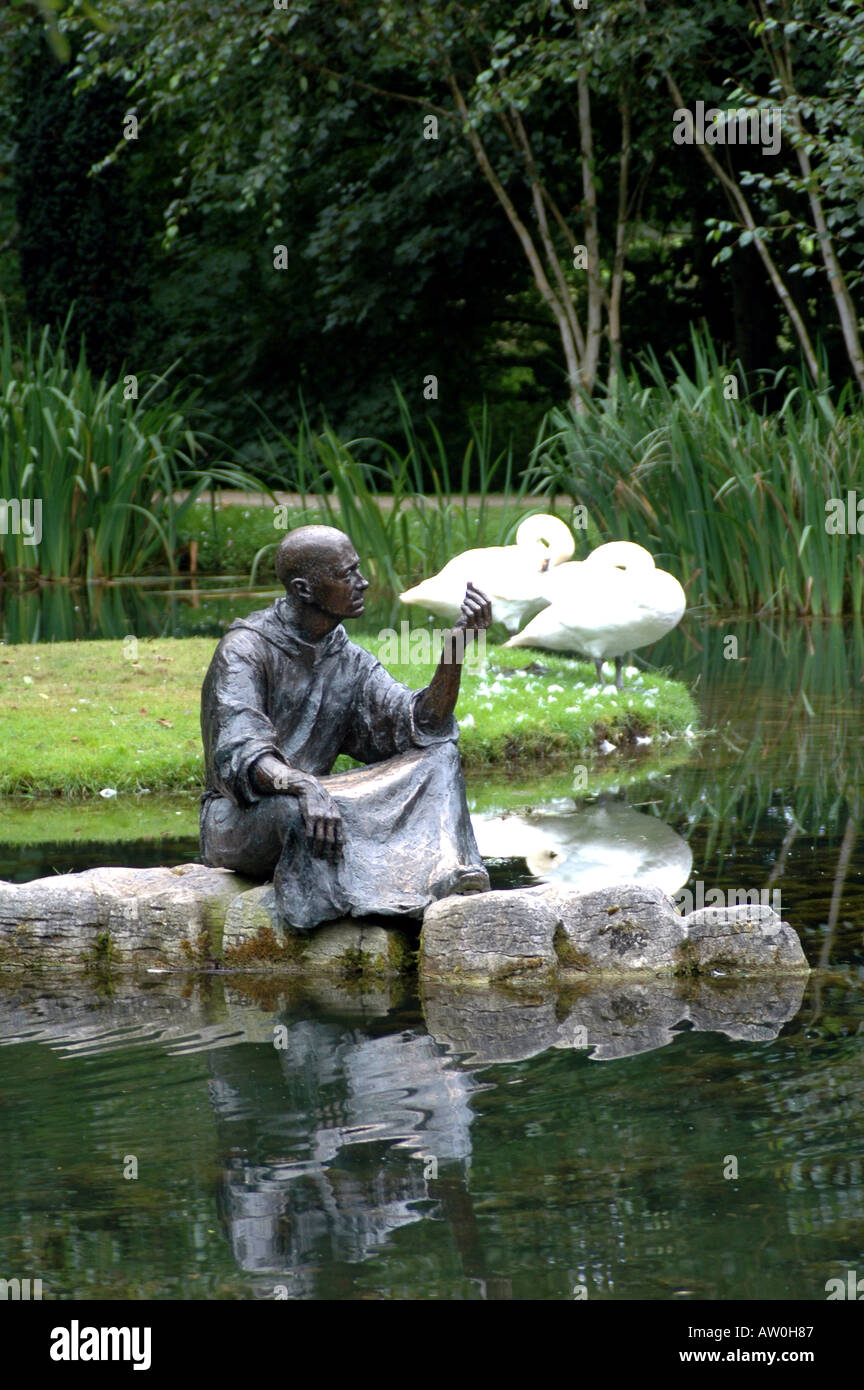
249 839
443 752
286 811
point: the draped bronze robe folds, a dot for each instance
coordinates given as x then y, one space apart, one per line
407 831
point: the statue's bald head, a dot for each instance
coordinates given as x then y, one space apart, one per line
321 572
311 552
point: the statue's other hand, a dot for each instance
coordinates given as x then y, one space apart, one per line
476 612
323 821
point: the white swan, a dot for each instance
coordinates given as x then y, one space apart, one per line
605 606
623 555
508 574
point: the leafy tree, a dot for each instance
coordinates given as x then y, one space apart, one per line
515 91
314 127
82 239
807 62
826 129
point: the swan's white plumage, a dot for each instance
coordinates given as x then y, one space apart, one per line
610 604
508 574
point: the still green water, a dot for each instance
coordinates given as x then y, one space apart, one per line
707 1144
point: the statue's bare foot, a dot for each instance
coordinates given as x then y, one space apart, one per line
470 880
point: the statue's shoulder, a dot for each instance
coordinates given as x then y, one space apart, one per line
246 633
356 652
265 627
256 622
243 645
363 662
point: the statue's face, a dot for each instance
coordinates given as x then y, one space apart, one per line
338 587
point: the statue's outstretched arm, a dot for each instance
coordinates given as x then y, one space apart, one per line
438 701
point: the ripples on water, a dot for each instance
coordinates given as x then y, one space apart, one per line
463 1149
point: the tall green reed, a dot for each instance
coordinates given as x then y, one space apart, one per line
731 495
407 509
105 470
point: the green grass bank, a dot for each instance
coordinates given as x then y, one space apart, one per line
78 718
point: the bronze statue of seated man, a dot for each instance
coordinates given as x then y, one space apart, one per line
285 694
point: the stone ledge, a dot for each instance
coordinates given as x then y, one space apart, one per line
186 917
523 935
253 940
117 917
192 917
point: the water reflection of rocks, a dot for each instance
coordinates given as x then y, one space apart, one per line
591 846
610 1020
348 1131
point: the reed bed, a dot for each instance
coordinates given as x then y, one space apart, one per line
436 510
730 495
104 470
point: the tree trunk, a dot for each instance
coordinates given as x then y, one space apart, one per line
541 280
592 239
621 239
743 208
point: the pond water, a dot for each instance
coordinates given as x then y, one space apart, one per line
448 1148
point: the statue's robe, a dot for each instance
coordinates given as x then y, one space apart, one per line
407 832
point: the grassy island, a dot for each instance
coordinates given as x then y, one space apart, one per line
79 718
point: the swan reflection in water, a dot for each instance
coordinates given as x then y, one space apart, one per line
591 847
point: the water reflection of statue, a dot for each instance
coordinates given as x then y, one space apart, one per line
591 847
306 1192
287 693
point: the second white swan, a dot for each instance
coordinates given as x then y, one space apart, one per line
605 606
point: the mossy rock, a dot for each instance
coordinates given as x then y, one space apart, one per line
254 940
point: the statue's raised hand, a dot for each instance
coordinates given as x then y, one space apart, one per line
476 614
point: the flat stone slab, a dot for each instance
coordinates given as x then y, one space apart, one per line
252 939
618 930
735 940
495 936
115 917
187 917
